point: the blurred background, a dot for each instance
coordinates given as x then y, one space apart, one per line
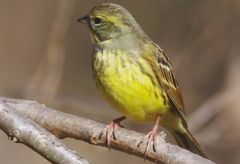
45 55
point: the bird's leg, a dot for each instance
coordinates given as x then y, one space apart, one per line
111 128
151 136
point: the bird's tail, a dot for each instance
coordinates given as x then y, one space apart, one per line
187 141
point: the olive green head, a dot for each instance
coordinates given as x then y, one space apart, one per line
108 21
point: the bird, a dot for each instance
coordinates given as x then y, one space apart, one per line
135 76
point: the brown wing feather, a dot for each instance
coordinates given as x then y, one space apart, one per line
168 81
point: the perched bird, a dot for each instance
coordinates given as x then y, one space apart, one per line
135 76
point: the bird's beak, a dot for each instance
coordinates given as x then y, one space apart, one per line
84 20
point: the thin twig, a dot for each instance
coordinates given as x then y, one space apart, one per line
212 107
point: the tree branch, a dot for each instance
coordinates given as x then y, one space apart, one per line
65 125
21 129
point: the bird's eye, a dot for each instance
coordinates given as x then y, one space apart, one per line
97 21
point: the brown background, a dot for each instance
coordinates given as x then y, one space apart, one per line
45 55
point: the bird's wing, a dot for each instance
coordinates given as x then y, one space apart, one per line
168 81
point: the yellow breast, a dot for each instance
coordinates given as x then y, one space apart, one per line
129 85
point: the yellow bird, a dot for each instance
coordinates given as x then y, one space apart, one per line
135 76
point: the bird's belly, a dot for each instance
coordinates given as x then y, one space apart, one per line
132 92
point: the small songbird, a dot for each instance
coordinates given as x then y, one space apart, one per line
135 76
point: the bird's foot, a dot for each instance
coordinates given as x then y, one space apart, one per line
151 137
110 129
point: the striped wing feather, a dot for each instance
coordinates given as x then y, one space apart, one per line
169 82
